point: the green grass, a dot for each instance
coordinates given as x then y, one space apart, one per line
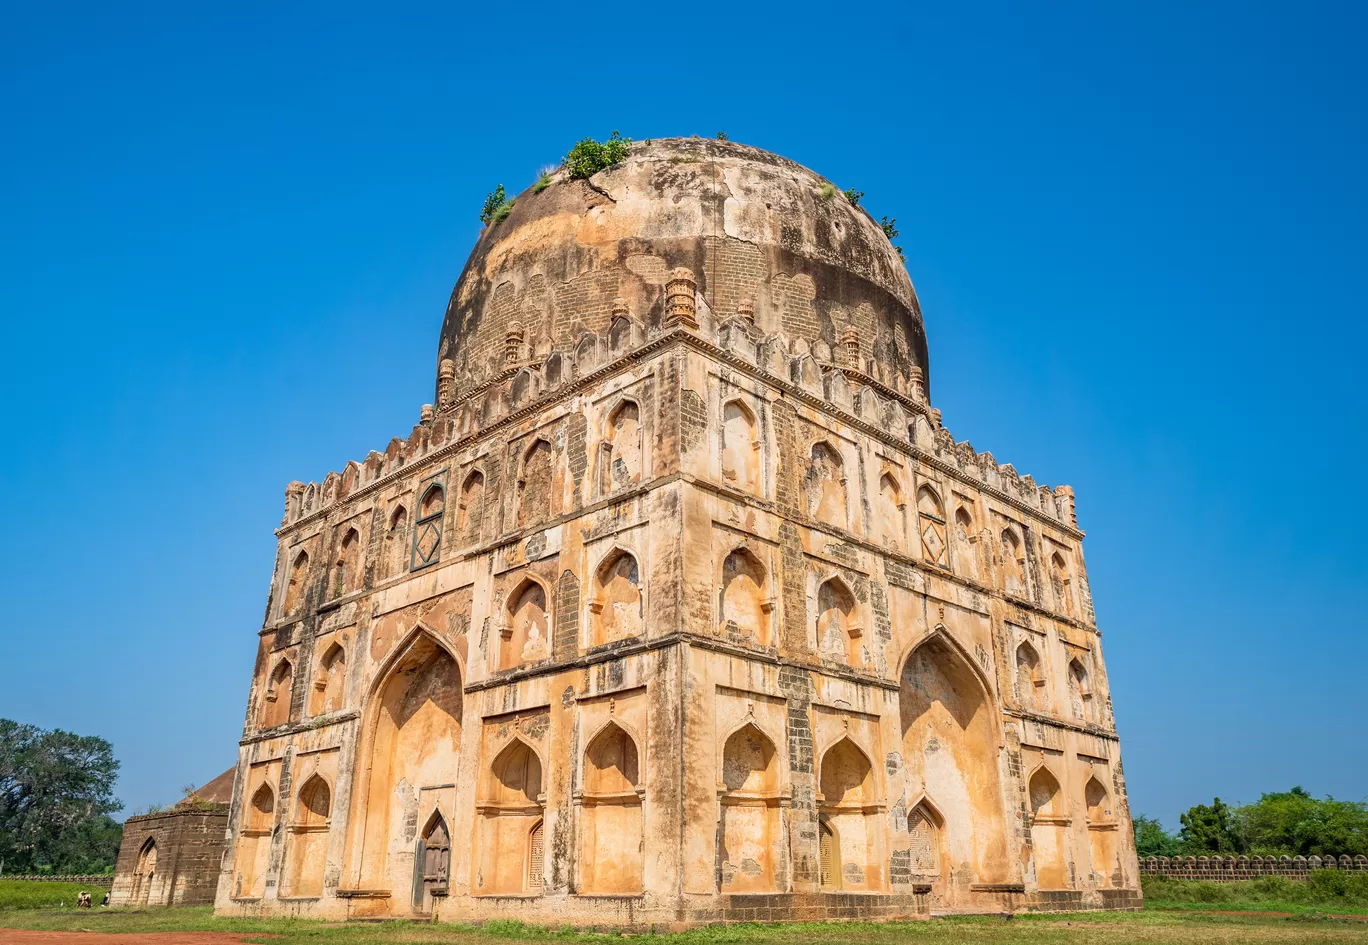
1322 891
25 894
1096 928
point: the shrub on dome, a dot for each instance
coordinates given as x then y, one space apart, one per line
497 206
588 157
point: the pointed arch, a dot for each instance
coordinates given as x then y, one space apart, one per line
1049 824
744 604
740 446
470 511
526 632
848 801
846 775
432 862
306 839
1030 679
1102 833
949 732
510 807
620 447
610 813
297 584
924 825
1012 558
395 551
347 566
1043 789
616 610
536 500
275 701
427 527
329 683
749 825
891 511
411 735
967 541
1081 699
253 846
825 485
838 631
1061 583
931 527
144 872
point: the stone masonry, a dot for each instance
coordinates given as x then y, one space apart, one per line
680 604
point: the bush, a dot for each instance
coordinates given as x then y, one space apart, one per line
543 182
496 208
853 196
1329 888
588 157
827 191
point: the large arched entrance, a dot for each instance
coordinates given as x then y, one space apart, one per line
950 740
414 728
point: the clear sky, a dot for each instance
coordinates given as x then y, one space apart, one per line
1137 232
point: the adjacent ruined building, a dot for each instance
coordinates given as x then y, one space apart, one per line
680 603
172 857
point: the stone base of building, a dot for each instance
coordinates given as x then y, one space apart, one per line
643 911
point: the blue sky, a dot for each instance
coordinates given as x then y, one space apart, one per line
1137 232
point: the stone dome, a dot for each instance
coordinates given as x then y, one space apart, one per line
755 229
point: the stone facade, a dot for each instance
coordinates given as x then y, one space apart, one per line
680 604
174 857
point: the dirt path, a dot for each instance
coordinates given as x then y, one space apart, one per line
22 937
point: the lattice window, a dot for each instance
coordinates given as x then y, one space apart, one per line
921 836
534 859
826 853
427 532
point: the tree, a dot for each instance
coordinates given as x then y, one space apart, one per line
1295 823
56 790
1210 829
1151 839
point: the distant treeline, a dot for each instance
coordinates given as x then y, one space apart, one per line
56 795
1289 823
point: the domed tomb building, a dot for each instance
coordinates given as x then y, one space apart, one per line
679 604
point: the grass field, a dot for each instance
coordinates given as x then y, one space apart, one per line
24 894
1175 913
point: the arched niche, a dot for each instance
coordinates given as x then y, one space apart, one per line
1081 700
395 549
306 847
1061 583
470 512
1049 824
525 636
347 567
620 450
751 842
825 486
253 848
1102 834
966 543
427 527
931 527
610 815
296 584
510 809
1030 680
615 609
744 600
535 498
890 512
330 681
1012 561
432 861
144 872
839 634
740 447
848 804
924 825
275 701
950 735
412 737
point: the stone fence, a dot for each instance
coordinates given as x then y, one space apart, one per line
1226 868
95 879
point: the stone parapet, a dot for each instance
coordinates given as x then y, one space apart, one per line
1230 868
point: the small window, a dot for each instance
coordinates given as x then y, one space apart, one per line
427 533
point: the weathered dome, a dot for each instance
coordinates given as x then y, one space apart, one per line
752 226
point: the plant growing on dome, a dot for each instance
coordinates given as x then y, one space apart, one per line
853 196
889 225
588 157
543 181
827 191
722 136
497 207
